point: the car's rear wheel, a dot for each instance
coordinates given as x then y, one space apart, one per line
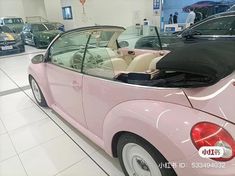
139 158
22 49
37 93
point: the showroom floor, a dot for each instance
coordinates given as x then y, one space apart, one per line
36 141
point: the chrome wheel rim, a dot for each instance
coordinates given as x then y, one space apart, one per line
138 162
36 90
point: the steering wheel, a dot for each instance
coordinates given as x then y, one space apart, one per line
76 61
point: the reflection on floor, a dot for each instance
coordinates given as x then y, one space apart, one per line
35 141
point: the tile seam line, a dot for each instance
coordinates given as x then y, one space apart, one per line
20 54
55 123
12 91
18 156
40 144
70 166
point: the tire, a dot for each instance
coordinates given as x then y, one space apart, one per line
23 39
22 50
36 43
37 93
138 157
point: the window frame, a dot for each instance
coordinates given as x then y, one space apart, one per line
47 58
217 35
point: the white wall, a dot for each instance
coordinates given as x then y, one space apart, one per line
34 8
53 10
22 8
11 8
110 12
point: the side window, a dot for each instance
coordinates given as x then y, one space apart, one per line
139 37
38 27
68 50
220 26
99 57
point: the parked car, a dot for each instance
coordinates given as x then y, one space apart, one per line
14 23
58 26
39 34
145 109
10 42
215 28
208 8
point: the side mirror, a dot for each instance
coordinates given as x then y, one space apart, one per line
37 59
123 44
190 33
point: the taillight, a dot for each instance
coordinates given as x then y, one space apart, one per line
207 134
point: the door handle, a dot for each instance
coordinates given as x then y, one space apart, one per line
76 85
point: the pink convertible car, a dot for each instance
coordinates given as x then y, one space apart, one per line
161 113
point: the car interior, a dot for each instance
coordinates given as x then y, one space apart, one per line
103 59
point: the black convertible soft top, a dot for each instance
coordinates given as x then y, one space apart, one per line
203 63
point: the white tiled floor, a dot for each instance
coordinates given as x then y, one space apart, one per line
37 142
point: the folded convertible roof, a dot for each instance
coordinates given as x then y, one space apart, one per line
213 59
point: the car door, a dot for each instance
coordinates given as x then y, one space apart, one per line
27 31
64 75
221 28
100 64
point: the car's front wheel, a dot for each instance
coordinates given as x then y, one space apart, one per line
138 158
37 93
36 43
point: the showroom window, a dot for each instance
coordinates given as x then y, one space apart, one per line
220 26
140 37
68 50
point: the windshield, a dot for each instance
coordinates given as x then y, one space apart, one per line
148 38
38 27
50 26
134 38
5 29
90 50
13 21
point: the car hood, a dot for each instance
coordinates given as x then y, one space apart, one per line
49 33
7 37
217 99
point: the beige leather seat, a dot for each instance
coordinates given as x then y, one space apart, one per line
141 63
152 65
116 64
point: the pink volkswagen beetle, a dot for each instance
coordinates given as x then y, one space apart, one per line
161 113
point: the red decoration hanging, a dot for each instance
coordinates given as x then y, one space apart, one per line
83 2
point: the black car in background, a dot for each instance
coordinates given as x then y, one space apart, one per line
214 28
39 34
10 43
217 27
